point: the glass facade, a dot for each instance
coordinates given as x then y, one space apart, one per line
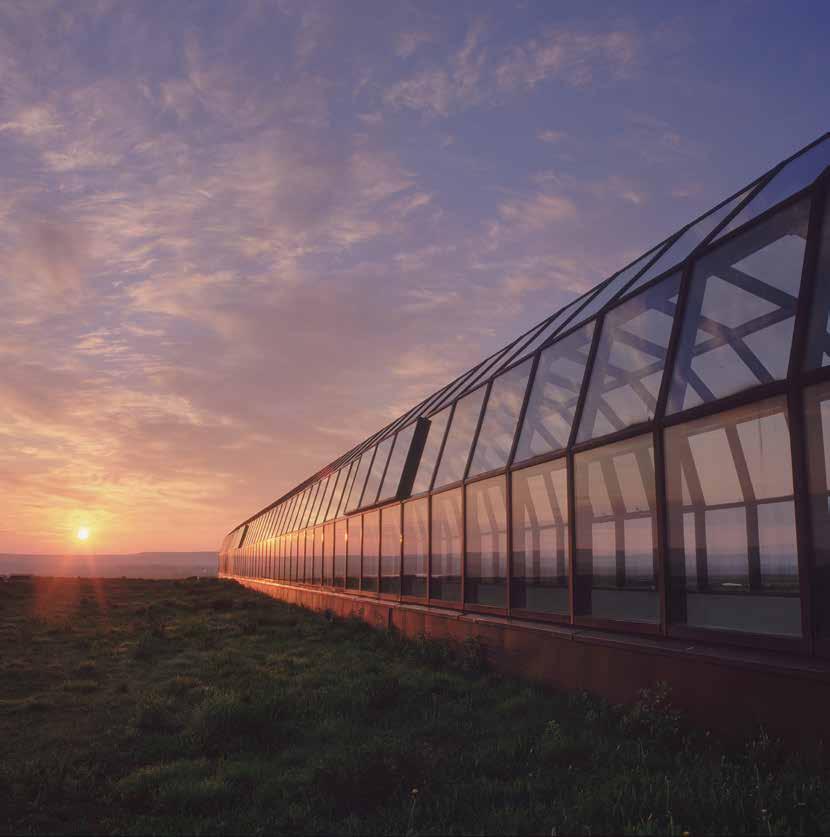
651 458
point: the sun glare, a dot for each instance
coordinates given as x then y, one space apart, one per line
82 534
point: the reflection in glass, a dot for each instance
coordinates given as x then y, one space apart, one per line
540 538
486 566
371 550
390 550
817 415
339 483
415 547
500 417
360 479
328 554
616 534
394 470
447 523
554 395
340 553
628 368
370 493
353 557
432 447
459 439
738 324
818 343
732 543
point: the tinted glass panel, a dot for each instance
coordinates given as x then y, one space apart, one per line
794 177
328 554
432 447
340 553
353 559
415 547
556 384
540 538
738 324
447 523
732 541
616 532
371 550
370 493
500 417
459 439
817 408
628 367
390 550
486 566
818 344
397 460
360 479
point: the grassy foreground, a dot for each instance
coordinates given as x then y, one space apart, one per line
199 707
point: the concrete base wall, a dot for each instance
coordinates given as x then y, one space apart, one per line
732 691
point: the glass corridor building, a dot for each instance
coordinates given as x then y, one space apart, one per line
652 459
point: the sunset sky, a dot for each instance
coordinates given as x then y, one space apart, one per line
236 238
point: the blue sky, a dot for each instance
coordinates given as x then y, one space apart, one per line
239 237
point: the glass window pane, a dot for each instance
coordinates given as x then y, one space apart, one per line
415 547
371 551
738 324
340 553
353 558
447 523
339 479
818 341
459 439
390 550
318 555
732 542
616 532
340 495
370 493
817 410
324 505
628 368
553 397
394 470
432 447
688 240
346 501
328 554
795 176
486 566
360 479
541 546
500 418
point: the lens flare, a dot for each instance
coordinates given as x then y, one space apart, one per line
82 534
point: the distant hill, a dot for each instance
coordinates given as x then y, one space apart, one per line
137 565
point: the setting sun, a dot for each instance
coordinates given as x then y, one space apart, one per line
82 534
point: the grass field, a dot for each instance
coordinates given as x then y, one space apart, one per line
200 707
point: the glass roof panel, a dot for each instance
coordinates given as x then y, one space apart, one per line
397 460
460 438
360 479
329 490
432 447
345 505
795 176
339 483
370 493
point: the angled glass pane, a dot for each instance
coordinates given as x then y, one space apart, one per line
817 421
432 448
732 541
688 241
616 532
500 418
453 391
818 341
339 482
340 494
795 176
628 368
313 490
487 368
553 397
738 325
305 498
327 492
486 521
347 494
390 550
371 551
355 531
540 537
292 512
415 547
360 479
447 536
370 493
459 439
318 500
550 329
394 470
